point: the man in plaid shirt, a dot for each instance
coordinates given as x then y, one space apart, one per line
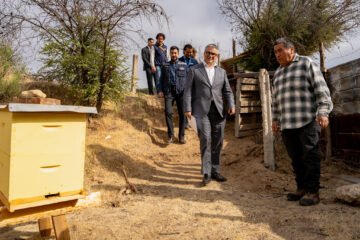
301 107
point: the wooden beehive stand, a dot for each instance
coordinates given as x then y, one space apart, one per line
52 216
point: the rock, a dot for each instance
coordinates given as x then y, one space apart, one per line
32 93
349 193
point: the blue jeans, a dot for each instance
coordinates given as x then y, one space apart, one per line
170 98
157 76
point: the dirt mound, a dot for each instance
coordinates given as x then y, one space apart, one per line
170 204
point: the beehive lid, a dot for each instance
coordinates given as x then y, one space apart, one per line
20 107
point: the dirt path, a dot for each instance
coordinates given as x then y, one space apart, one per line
170 204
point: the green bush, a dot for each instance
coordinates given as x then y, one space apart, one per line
11 73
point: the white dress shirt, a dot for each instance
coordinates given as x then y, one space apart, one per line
152 56
210 70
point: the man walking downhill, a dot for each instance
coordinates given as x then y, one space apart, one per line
301 107
171 87
161 55
190 61
206 89
148 57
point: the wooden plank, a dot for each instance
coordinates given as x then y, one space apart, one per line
252 74
47 201
35 213
246 103
250 109
268 138
237 108
249 81
45 227
61 228
250 126
249 88
247 133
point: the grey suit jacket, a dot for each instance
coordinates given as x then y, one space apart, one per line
199 93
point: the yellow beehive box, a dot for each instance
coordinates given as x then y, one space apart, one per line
42 151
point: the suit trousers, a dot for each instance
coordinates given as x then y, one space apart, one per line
211 134
170 98
302 145
151 78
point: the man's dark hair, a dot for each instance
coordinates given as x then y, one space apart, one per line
187 46
174 48
285 41
160 34
149 39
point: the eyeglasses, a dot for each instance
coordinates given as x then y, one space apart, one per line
211 53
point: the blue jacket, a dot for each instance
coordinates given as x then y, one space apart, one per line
160 55
165 84
189 61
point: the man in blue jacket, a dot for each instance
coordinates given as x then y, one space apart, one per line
161 55
171 87
187 58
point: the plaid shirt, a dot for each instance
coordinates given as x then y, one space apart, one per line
300 94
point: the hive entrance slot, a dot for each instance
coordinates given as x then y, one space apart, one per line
52 195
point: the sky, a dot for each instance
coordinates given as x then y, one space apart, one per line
200 22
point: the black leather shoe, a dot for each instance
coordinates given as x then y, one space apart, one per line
218 177
206 180
296 196
182 140
310 199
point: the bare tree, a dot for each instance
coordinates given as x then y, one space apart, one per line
84 29
308 22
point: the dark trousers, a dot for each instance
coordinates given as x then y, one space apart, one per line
302 145
170 98
151 78
211 134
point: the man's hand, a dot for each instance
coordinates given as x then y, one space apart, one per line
231 111
153 69
161 94
275 126
187 114
323 121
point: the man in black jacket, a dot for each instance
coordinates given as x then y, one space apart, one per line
171 87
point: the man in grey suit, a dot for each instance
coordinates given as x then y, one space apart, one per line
206 89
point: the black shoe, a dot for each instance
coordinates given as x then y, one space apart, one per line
206 180
310 199
292 197
182 140
218 177
170 140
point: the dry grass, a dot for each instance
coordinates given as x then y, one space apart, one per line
171 205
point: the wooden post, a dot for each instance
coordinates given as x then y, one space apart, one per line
268 137
234 47
237 107
45 226
61 228
134 73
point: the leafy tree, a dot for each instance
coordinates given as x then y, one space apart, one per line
307 22
84 39
11 71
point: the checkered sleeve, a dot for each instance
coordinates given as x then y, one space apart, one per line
321 90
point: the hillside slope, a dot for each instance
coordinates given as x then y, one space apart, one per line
170 204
